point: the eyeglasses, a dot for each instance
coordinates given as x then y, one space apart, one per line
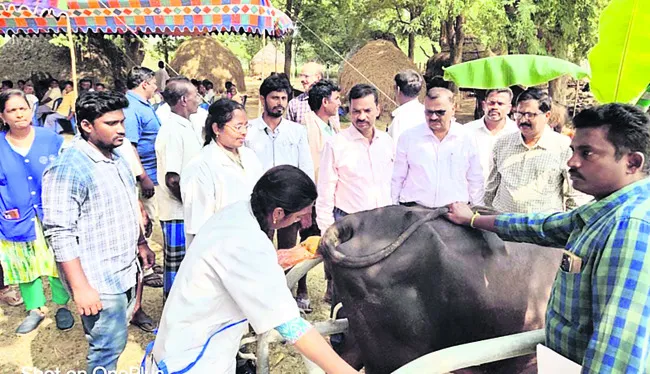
527 115
439 113
240 128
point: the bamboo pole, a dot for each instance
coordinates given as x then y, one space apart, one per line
73 56
259 102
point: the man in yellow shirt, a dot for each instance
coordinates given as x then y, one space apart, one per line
65 110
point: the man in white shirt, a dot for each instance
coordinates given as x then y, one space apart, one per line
356 164
176 144
161 76
437 163
278 141
493 125
410 113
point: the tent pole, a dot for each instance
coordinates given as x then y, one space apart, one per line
73 57
259 102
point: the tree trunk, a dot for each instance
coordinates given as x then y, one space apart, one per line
288 54
456 45
412 46
557 90
134 50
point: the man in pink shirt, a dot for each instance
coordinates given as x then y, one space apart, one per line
356 164
437 163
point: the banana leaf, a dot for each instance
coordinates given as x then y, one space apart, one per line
510 70
620 62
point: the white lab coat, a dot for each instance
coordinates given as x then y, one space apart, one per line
230 273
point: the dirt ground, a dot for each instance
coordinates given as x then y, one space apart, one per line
50 349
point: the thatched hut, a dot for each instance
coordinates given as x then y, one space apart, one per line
206 58
267 60
379 61
37 59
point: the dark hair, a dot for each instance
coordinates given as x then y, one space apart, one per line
536 94
500 91
273 83
285 187
207 84
65 83
175 89
628 128
195 82
85 80
8 84
434 93
95 104
52 80
228 85
362 90
4 97
21 81
220 112
137 75
409 82
319 91
100 84
161 64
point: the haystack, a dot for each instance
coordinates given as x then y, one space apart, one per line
205 58
35 57
379 61
267 60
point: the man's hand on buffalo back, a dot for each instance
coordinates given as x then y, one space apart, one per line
459 213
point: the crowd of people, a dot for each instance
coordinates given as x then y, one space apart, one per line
223 187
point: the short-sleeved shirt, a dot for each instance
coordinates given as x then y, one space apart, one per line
231 273
176 144
142 126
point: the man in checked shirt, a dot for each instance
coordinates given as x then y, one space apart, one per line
91 221
599 311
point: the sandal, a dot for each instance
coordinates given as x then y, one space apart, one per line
10 296
153 280
142 321
304 304
157 269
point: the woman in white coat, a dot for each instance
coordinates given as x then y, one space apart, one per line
230 278
224 172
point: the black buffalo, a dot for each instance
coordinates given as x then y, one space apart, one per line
412 283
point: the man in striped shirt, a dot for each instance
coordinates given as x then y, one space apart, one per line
599 311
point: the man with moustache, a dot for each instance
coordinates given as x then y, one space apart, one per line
278 141
310 73
437 162
176 144
598 314
91 221
528 169
493 125
356 164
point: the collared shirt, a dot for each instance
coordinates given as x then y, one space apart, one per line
91 213
354 174
299 107
142 127
317 134
531 179
287 145
230 274
67 104
406 116
213 180
176 145
435 173
485 140
198 119
599 316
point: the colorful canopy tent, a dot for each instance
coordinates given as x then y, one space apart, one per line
158 17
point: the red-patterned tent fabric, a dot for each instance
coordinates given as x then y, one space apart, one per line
156 17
